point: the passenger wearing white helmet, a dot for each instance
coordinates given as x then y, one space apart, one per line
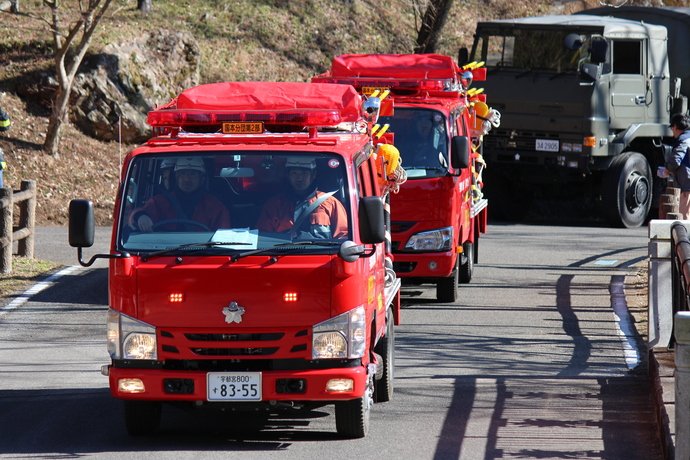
186 204
302 209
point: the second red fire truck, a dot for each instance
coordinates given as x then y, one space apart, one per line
438 121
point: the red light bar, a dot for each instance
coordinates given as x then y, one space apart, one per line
172 118
406 84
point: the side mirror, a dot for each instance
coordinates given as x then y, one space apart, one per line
81 224
598 51
460 152
573 41
590 72
372 226
350 251
371 108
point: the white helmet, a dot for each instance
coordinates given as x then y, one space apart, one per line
193 163
300 162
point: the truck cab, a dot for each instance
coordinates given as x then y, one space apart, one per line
436 219
269 284
585 103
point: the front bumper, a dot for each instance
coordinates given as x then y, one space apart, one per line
424 265
191 385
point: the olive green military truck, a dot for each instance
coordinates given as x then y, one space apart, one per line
585 101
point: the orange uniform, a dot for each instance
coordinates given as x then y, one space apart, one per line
328 220
208 211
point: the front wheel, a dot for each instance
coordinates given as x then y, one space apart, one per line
352 417
447 288
627 190
383 390
142 417
467 263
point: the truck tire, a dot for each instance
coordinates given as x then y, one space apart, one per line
627 190
142 418
352 417
447 288
467 262
383 389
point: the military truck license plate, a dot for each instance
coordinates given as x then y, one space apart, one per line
233 386
546 145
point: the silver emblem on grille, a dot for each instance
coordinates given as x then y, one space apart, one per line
233 313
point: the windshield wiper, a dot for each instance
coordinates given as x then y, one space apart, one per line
292 245
426 168
206 244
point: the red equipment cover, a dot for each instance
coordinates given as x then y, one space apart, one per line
399 66
273 97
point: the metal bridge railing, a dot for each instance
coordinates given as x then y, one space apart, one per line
680 274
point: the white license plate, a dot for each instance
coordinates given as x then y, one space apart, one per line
546 145
233 386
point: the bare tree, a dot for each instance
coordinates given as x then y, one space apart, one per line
145 6
67 62
432 22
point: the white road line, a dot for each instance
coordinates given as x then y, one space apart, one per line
36 288
623 323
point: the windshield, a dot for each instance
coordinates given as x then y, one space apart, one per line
527 49
421 137
232 203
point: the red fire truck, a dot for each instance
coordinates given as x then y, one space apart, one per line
249 266
439 212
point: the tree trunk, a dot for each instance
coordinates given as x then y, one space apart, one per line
145 6
65 71
432 24
57 119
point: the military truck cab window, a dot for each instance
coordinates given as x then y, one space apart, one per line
526 49
627 57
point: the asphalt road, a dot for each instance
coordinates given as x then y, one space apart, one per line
531 362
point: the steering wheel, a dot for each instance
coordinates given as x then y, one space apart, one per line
181 221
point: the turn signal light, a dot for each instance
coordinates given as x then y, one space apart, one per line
291 297
176 297
590 141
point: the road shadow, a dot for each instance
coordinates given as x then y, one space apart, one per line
75 423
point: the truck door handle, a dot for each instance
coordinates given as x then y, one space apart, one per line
640 100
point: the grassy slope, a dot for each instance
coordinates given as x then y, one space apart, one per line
288 40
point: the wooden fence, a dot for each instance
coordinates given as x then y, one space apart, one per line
24 234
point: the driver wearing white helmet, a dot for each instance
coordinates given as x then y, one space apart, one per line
187 206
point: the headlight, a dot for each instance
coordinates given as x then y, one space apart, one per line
129 338
433 240
344 336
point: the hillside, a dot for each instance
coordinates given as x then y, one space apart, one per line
240 40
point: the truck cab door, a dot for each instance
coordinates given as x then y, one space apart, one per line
629 90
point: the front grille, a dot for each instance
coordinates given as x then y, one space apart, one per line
234 351
516 140
234 343
234 337
399 227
